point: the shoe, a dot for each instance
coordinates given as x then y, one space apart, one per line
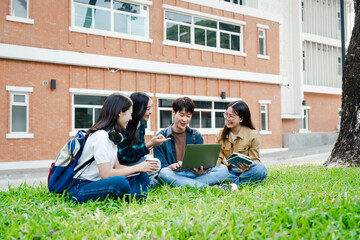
229 187
138 198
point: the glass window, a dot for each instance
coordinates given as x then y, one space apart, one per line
339 66
102 19
83 17
19 8
87 110
264 117
229 27
177 17
19 112
207 114
98 3
205 22
304 122
262 43
172 32
112 16
205 32
126 7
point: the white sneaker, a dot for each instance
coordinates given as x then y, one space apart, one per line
232 187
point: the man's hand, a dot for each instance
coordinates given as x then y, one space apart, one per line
243 166
199 171
175 166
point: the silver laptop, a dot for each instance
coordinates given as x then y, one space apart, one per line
197 155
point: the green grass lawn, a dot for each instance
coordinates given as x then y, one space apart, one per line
295 202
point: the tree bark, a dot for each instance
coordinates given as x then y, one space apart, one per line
346 152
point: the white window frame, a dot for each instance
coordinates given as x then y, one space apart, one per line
213 111
93 92
262 28
266 104
13 18
304 115
25 92
145 13
192 45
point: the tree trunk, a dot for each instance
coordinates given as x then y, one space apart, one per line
346 151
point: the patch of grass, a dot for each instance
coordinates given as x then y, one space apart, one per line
307 201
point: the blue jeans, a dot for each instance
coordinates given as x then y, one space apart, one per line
81 191
186 178
256 173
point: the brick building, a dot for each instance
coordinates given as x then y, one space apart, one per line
60 59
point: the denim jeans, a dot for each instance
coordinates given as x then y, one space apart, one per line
81 191
256 173
186 178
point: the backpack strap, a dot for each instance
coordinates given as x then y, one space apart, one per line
85 164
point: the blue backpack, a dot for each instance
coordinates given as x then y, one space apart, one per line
65 166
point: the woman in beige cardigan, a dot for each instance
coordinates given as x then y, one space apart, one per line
239 135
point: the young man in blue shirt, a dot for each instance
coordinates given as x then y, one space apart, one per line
171 153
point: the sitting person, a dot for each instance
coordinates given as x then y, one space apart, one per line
239 135
132 149
105 177
171 153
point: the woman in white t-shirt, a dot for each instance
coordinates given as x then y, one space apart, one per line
105 177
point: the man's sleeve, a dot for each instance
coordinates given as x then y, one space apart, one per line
199 138
159 153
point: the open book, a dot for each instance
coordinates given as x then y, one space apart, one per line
235 158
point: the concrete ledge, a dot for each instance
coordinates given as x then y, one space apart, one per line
306 140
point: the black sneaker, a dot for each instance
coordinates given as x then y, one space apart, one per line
138 198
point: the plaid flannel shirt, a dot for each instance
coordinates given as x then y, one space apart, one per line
130 154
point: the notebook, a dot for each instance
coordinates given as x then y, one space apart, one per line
197 155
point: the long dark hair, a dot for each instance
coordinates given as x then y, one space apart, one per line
243 111
141 101
107 120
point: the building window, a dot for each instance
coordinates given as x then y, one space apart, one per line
19 8
207 114
203 33
264 116
19 112
262 42
302 11
339 20
86 110
111 16
303 60
339 66
304 121
239 2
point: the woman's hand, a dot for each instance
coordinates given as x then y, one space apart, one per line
148 166
175 166
243 166
157 141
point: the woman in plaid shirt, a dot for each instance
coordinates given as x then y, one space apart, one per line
133 149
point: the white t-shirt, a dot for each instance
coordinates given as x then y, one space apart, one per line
103 149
